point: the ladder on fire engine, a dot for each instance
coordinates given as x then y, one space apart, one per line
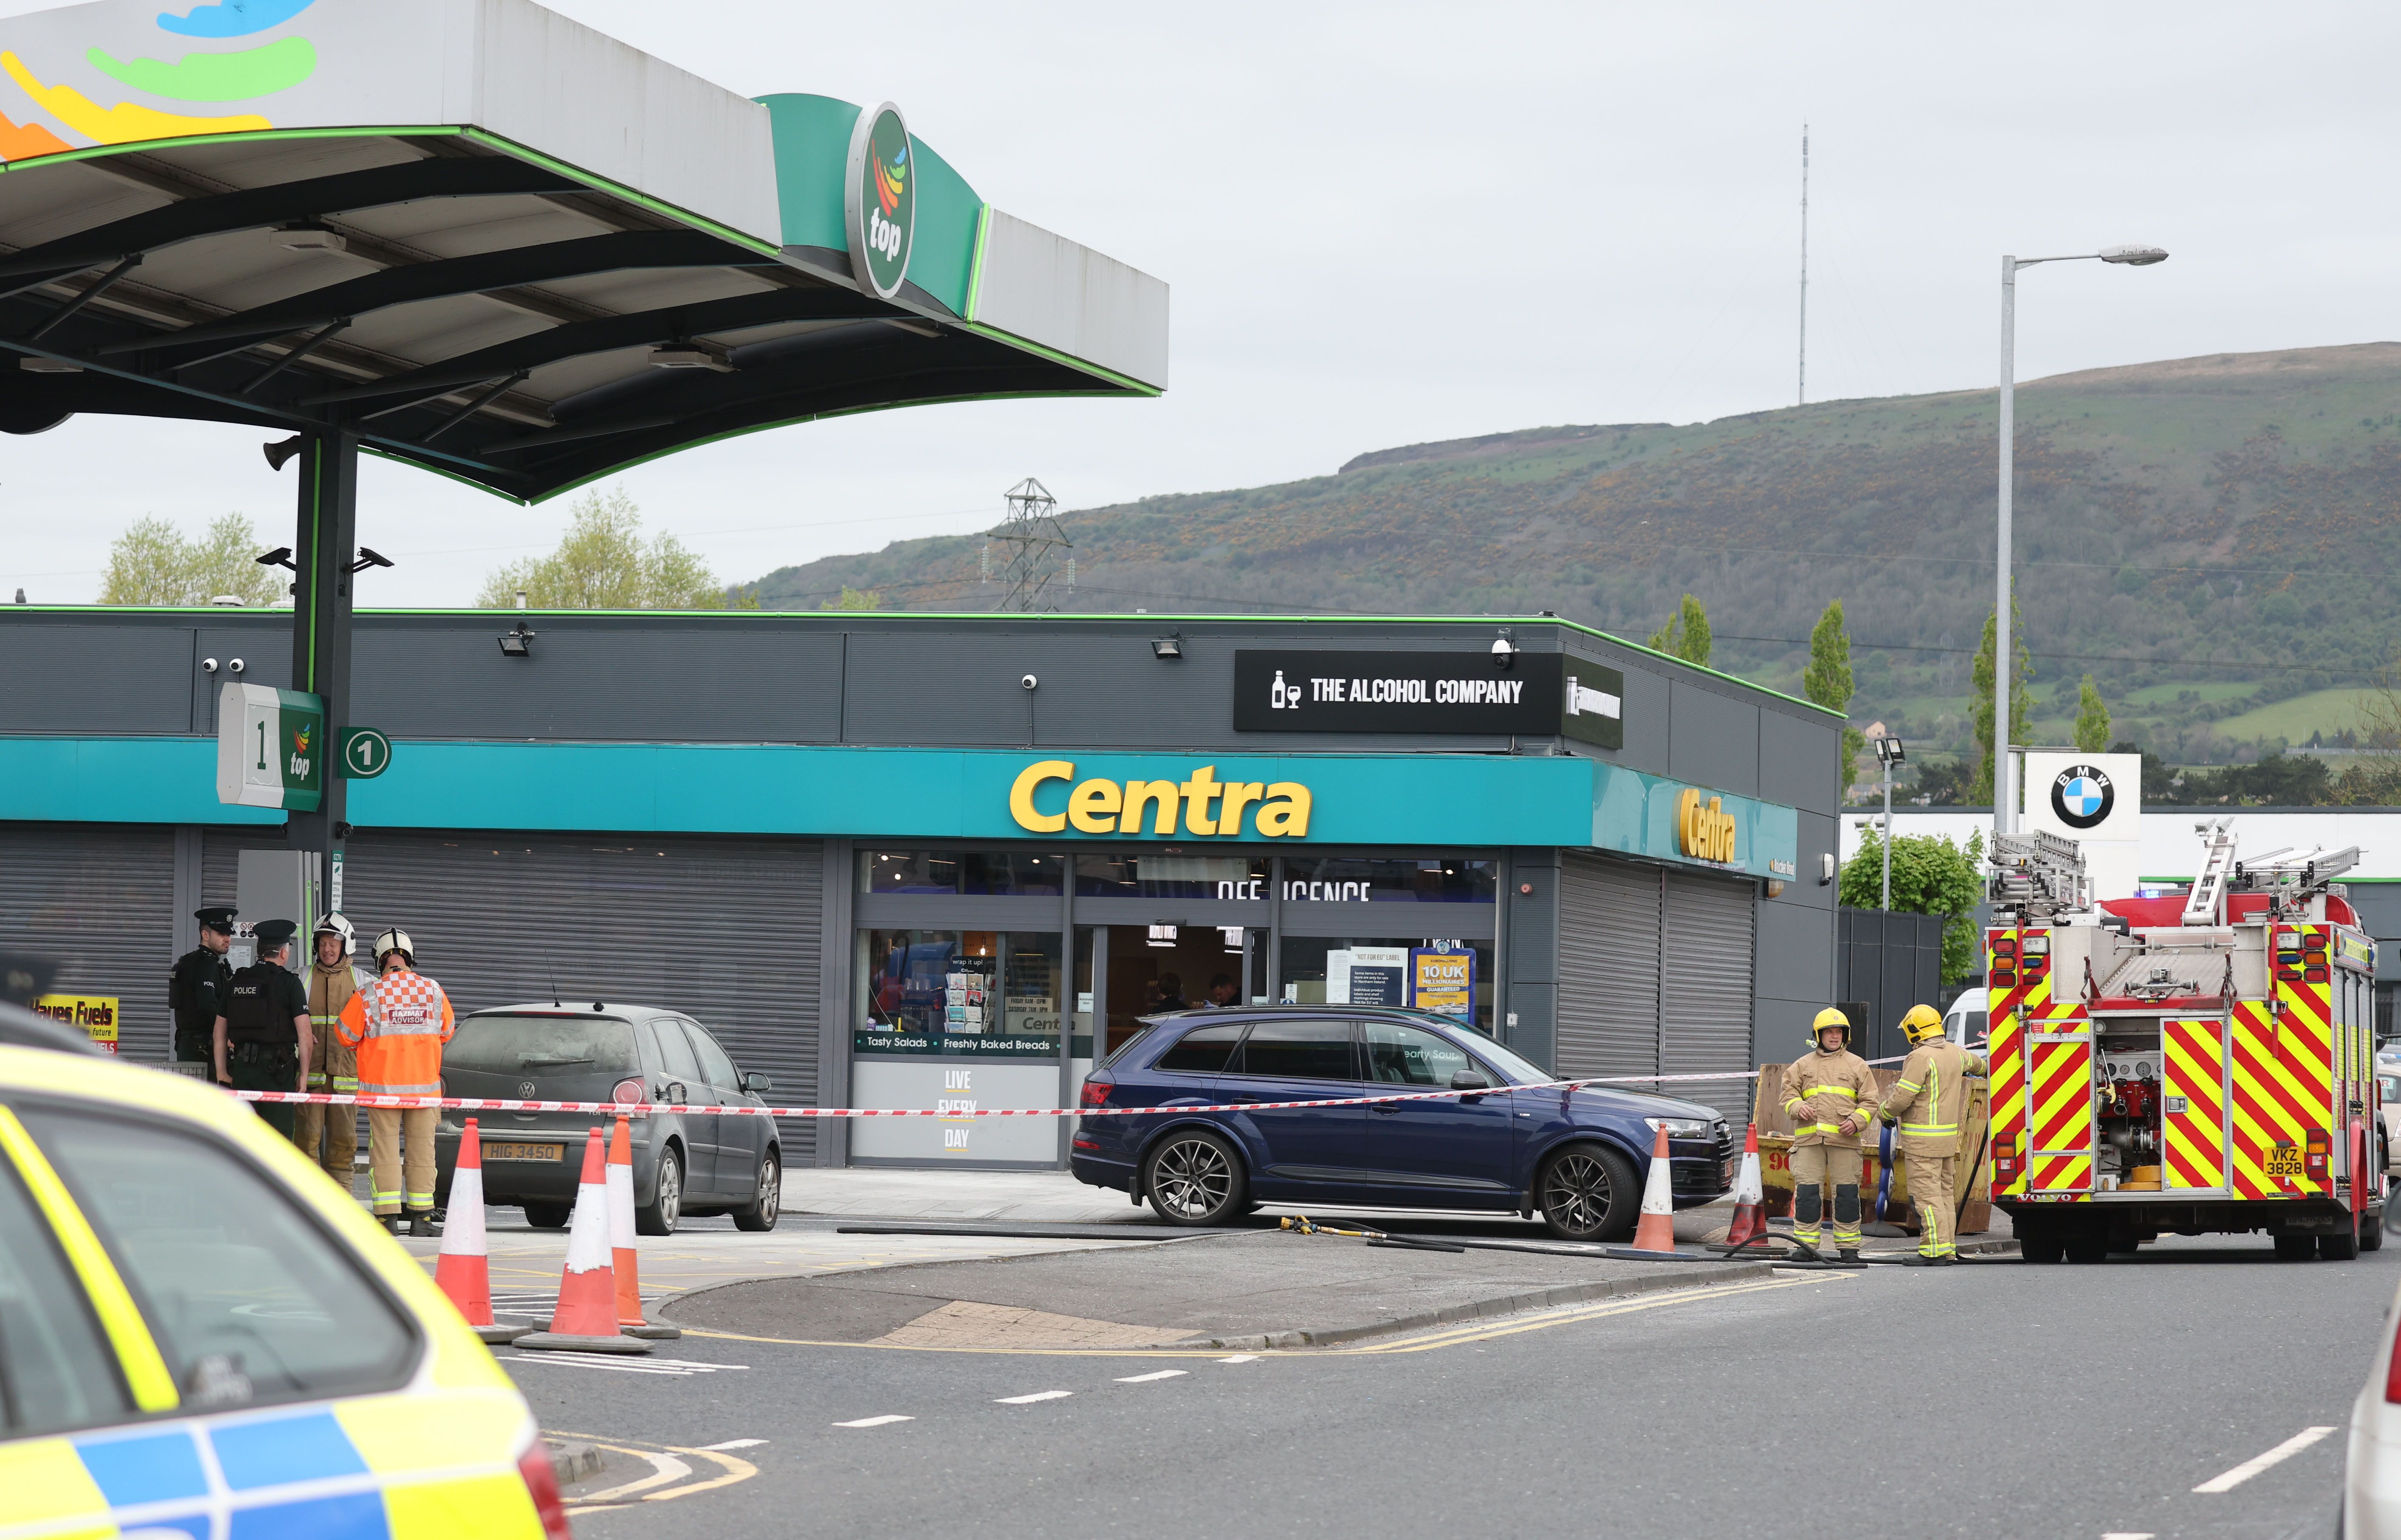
2294 877
2037 873
2206 905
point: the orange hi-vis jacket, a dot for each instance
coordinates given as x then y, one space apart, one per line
398 1023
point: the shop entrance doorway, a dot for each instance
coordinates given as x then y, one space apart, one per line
1153 967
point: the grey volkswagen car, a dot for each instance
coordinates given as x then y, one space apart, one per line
685 1162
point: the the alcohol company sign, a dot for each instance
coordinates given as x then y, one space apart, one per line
880 195
1525 694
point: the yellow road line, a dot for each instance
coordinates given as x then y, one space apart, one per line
1454 1335
624 1496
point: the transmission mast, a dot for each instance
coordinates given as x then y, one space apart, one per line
1031 537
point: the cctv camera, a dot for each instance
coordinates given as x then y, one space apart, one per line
1029 681
208 666
235 666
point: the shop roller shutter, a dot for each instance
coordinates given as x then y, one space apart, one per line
98 901
1608 967
727 931
1708 972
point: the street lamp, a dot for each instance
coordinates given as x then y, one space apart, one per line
1888 754
2004 777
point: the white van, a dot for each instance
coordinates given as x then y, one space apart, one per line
1963 1024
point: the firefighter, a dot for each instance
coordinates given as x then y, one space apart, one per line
398 1025
333 1067
1830 1094
1928 1106
196 989
260 1041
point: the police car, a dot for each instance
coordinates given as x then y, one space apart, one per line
201 1335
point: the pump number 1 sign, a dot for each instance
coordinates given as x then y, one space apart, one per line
270 747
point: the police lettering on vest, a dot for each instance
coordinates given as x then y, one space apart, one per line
260 1004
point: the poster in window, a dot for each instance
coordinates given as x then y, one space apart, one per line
1443 980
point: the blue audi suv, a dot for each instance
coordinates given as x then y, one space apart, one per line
1577 1158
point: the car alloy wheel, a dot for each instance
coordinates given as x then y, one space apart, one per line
761 1210
1587 1193
659 1218
1192 1178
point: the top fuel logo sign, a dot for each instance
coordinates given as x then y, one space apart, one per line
881 192
2081 796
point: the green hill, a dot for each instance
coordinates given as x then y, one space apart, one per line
2210 538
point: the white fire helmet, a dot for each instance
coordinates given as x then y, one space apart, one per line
336 925
395 940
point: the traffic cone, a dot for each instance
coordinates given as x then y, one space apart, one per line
626 1260
1657 1230
1750 1218
464 1271
586 1320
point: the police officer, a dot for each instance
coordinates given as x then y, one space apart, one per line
1830 1096
196 989
262 1033
1929 1104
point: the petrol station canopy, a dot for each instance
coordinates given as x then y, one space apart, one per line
498 244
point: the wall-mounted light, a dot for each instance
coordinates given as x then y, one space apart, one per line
1888 751
1168 646
1504 651
280 557
517 643
369 558
1825 868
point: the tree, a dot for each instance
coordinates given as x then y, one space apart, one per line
1980 708
152 563
1686 635
2092 719
601 563
854 598
1930 876
1827 680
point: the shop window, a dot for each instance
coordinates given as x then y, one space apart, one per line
1147 875
1357 879
1407 971
986 994
988 873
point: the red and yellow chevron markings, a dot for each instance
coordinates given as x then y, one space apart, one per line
2195 1138
2006 1049
2061 1110
2283 1071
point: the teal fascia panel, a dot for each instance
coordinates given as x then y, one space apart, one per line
117 780
811 135
942 255
1636 813
1485 800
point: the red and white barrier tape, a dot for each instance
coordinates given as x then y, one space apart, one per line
643 1109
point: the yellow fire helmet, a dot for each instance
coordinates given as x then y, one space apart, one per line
1830 1017
1921 1025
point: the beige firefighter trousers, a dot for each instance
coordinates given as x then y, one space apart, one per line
1932 1187
395 1185
1831 1175
333 1128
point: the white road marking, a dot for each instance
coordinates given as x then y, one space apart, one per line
1145 1378
2118 1536
664 1468
1241 1359
862 1423
754 1443
1037 1395
679 1367
2256 1464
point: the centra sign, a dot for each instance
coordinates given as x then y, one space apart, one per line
1278 810
880 200
1705 833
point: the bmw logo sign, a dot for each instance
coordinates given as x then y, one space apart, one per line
2081 796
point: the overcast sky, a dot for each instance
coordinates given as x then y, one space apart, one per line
1384 224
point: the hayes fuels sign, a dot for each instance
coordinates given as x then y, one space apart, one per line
271 748
880 199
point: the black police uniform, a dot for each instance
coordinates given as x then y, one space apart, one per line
196 991
262 1045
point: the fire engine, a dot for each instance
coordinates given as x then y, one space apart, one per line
2202 1063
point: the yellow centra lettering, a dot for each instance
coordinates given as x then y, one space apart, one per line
1198 792
1239 794
1142 793
1285 813
1092 808
1020 795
